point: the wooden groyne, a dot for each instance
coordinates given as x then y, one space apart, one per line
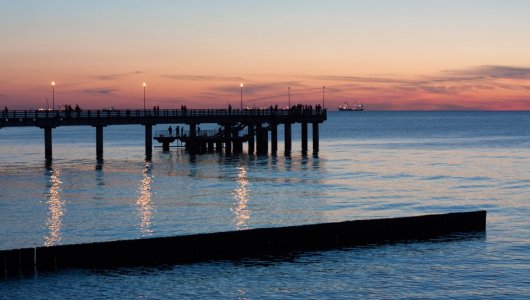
241 244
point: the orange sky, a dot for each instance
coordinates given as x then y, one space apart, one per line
388 55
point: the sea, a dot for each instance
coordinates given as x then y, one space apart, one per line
370 165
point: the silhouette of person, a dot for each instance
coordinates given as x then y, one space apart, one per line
170 130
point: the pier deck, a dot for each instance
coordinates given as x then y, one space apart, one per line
256 123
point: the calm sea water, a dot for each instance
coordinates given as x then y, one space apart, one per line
371 164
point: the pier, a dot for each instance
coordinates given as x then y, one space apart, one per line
236 126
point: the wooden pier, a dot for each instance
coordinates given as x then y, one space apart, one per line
236 127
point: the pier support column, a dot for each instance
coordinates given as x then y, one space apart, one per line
48 143
315 138
191 145
228 140
238 144
274 138
304 137
165 146
262 140
287 138
148 141
193 130
218 147
251 140
99 142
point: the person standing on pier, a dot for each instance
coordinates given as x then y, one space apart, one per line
5 112
170 130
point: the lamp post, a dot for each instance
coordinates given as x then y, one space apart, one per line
289 97
53 95
241 85
323 92
144 84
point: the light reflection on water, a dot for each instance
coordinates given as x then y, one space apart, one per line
241 197
144 202
55 208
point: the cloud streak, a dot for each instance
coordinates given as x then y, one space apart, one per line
499 72
109 77
448 82
358 79
202 77
102 91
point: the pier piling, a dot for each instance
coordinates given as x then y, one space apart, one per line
48 143
148 141
99 142
315 138
287 138
304 137
274 138
251 139
262 140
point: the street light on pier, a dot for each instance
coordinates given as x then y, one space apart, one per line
323 93
289 97
144 84
241 85
53 95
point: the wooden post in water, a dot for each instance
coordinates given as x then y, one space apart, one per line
262 140
274 138
148 141
238 144
315 138
251 140
48 143
228 142
287 138
191 146
99 142
304 137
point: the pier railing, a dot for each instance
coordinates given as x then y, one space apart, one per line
201 133
139 113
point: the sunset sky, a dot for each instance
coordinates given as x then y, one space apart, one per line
387 55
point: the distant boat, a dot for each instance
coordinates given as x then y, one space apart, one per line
347 107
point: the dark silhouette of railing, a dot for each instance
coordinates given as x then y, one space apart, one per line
131 113
202 133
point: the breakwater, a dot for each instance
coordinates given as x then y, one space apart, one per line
241 244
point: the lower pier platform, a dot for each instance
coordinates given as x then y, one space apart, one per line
241 244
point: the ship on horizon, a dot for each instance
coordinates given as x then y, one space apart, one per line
346 107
